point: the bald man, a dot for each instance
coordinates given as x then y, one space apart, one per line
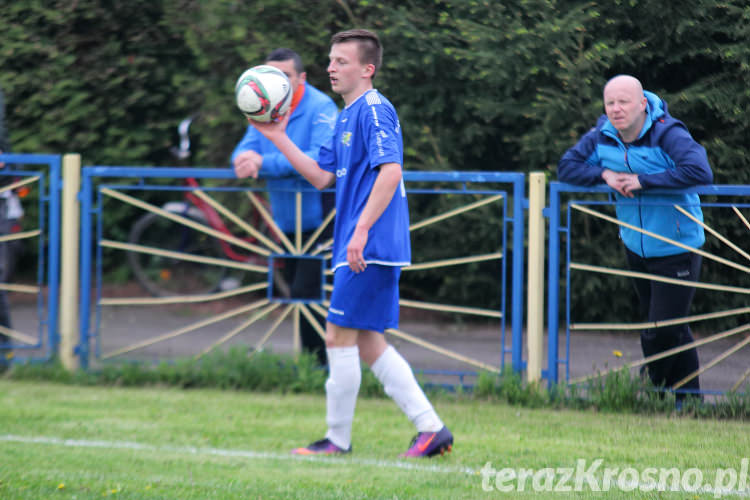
634 147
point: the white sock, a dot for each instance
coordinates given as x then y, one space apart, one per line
399 383
342 388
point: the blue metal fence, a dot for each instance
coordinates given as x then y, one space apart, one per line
123 178
559 227
48 260
95 178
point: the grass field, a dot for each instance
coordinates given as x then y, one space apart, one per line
72 442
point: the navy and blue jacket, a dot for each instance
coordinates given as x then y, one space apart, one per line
664 156
309 127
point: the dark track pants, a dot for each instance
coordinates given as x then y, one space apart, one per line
661 301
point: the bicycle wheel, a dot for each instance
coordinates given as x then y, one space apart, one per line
164 276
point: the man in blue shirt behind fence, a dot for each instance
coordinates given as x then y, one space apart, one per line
312 118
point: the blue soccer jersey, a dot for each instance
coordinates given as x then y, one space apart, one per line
367 135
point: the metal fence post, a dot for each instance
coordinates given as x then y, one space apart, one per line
517 275
535 278
69 256
553 282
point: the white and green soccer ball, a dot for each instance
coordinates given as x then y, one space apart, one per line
263 93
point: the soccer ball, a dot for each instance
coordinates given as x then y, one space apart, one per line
263 93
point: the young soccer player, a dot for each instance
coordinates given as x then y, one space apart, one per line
371 244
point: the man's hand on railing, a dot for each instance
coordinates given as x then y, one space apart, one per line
247 164
623 183
630 183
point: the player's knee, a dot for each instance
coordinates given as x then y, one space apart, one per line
337 336
330 339
334 338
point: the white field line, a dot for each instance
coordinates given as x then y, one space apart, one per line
261 455
247 454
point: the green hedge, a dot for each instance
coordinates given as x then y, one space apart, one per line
479 85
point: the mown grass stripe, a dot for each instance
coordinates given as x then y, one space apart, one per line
248 454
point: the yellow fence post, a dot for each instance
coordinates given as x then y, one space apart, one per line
70 233
535 284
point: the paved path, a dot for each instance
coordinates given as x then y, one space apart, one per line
125 326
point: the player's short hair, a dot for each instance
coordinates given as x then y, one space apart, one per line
370 49
283 54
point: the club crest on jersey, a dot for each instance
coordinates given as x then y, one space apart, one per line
346 138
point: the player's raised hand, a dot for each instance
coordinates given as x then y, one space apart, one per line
271 130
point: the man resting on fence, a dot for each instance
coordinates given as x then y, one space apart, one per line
636 146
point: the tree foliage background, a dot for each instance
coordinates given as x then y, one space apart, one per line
479 85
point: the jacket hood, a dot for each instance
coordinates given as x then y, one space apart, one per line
656 107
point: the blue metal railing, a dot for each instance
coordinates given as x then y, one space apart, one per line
557 229
96 177
48 260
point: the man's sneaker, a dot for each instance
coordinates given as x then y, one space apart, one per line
321 447
428 444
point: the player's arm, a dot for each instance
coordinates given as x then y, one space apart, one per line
319 133
386 184
306 166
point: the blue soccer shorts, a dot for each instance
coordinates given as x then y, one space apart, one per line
367 300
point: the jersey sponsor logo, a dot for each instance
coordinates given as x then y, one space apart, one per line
375 116
346 138
379 141
341 172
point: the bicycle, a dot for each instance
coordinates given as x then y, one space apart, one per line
164 276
